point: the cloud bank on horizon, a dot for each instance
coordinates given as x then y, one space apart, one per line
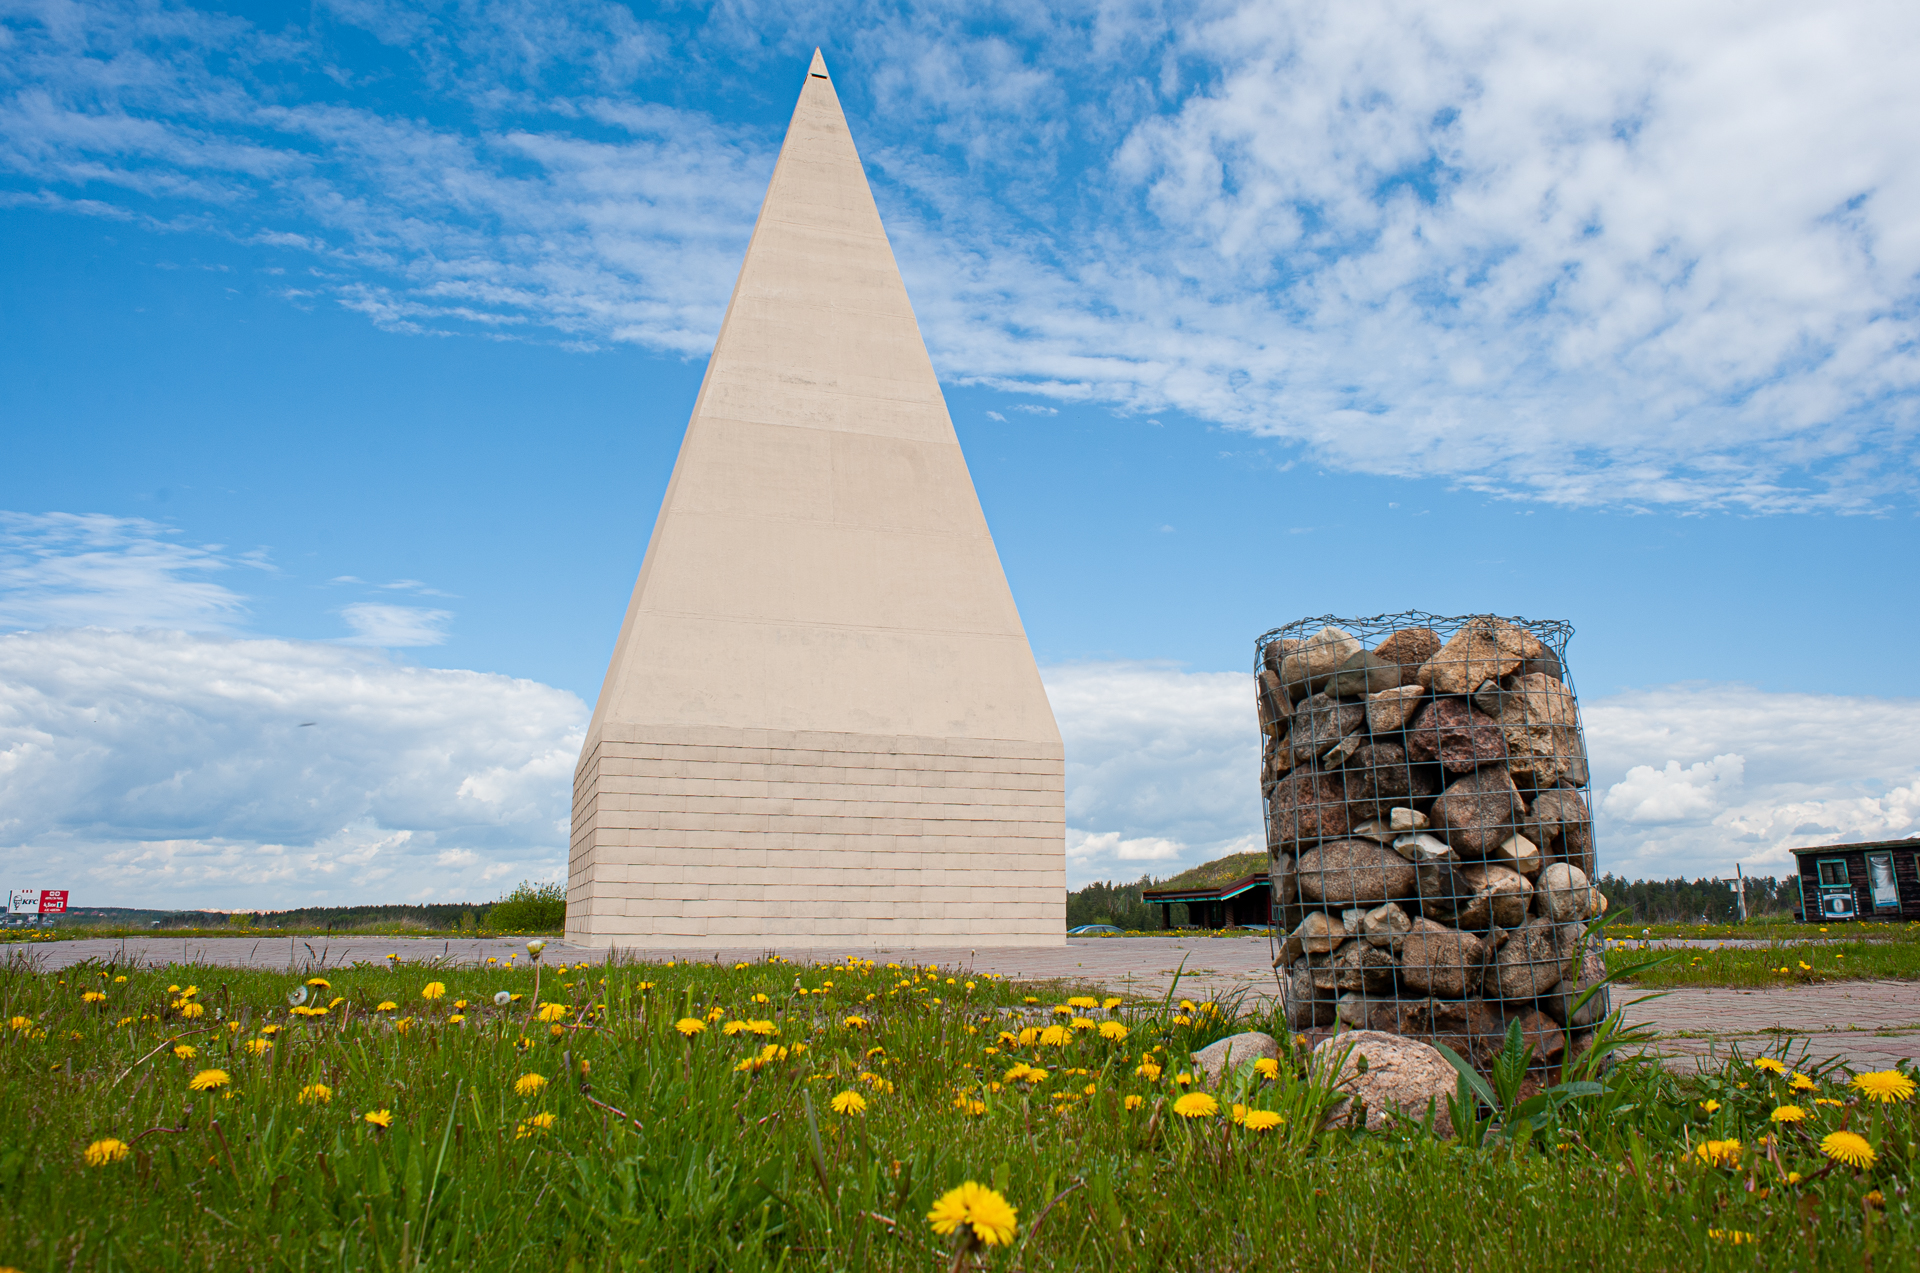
144 764
1635 254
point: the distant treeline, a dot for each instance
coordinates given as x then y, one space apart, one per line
1644 901
1707 901
1107 903
529 907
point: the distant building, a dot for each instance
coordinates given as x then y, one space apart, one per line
1877 880
1232 890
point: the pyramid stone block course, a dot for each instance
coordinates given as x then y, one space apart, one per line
822 722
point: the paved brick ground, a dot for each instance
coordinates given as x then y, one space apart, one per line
1870 1023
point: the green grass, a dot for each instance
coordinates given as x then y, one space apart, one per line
663 1152
1783 965
1773 928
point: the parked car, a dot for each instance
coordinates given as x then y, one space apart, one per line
1095 930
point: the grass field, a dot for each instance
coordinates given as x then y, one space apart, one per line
1788 964
770 1116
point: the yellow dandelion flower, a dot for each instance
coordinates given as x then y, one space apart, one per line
1183 1079
269 1030
1734 1237
855 1023
1886 1086
690 1026
193 1011
387 1005
19 1023
1134 1102
315 1094
1850 1148
1239 1113
732 1028
1788 1114
1770 1066
257 1047
207 1080
543 1120
102 1152
1709 1106
1183 1019
434 990
849 1102
1719 1153
1110 1004
759 999
185 1051
1056 1036
983 1213
1083 1001
119 981
94 996
1113 1032
456 1018
1262 1120
382 1118
1801 1083
1148 1071
1082 1023
1267 1068
969 1105
764 1029
1828 1100
1793 1177
529 1084
1196 1105
551 1012
715 1013
321 982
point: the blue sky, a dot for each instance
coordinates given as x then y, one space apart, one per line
358 340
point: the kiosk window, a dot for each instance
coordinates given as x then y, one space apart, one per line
1833 871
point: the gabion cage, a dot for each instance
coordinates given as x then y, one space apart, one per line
1429 831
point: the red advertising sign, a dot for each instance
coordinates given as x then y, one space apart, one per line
53 901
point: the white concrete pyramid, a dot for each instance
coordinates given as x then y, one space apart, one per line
822 724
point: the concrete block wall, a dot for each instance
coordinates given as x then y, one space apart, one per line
717 836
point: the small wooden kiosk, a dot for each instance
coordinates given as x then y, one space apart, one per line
1879 880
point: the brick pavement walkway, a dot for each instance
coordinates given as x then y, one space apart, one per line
1870 1023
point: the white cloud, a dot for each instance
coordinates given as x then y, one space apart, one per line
392 627
1595 252
1697 777
1162 766
161 768
1674 794
92 570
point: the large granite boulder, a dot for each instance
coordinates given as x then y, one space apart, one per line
1478 811
1541 727
1565 826
1457 735
1395 1080
1306 807
1410 648
1532 961
1320 723
1441 961
1389 711
1307 669
1354 873
1484 649
1224 1057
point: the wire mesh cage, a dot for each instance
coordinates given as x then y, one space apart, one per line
1429 831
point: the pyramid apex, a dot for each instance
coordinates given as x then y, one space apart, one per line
819 66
